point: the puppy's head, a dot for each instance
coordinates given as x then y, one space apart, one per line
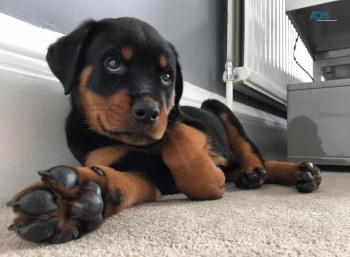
123 75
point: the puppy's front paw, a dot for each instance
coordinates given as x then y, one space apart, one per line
60 209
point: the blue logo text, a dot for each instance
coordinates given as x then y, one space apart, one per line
317 15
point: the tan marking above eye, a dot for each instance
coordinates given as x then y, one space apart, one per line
126 53
163 62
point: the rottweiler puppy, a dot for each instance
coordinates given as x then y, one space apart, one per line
132 137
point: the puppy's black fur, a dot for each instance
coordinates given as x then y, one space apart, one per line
132 137
91 44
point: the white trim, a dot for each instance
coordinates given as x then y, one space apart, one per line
292 5
194 96
260 84
23 48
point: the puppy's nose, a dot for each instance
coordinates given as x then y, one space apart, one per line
146 113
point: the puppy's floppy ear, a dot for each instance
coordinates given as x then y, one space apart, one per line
64 55
178 82
178 87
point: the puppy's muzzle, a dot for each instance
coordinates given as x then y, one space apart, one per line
146 113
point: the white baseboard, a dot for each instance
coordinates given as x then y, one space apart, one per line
23 47
33 109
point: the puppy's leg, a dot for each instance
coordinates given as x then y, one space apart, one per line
304 175
70 202
185 151
250 171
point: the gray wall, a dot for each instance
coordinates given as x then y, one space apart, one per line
195 27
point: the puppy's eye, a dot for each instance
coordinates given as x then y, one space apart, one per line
166 79
113 64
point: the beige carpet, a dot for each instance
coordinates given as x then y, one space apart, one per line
270 221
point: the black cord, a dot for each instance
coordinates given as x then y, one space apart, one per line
295 59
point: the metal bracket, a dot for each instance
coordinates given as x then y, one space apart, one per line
230 73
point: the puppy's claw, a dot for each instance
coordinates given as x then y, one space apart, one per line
11 203
13 227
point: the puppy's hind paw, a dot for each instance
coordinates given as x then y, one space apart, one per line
308 178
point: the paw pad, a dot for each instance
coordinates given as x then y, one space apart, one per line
37 231
43 199
63 175
90 203
63 199
251 178
305 166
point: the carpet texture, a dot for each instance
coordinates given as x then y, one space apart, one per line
270 221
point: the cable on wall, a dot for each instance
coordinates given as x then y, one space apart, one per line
295 59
